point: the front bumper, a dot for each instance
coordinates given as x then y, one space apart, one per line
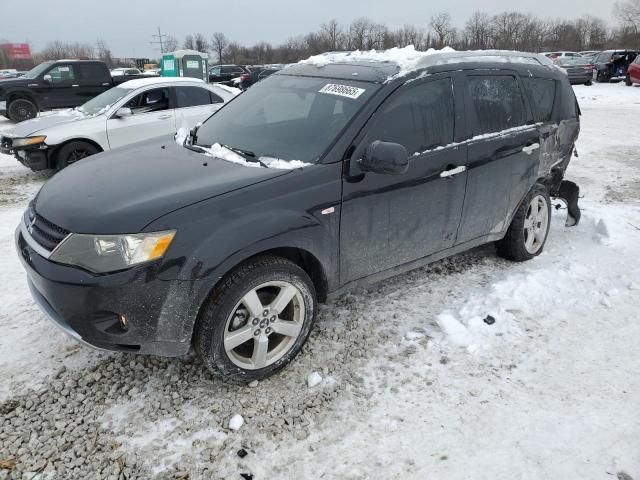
160 314
37 157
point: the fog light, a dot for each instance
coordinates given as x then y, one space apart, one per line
124 324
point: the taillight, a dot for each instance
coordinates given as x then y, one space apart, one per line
244 77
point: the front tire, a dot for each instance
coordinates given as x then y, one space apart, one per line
21 109
256 320
589 83
529 227
74 151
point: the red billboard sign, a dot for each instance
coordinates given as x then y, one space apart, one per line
16 51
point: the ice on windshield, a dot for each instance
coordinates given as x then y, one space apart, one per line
100 104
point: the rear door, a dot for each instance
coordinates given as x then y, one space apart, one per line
389 220
503 154
153 116
94 78
194 104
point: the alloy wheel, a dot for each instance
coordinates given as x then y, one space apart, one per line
536 223
264 325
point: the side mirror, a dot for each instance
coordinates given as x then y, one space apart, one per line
47 79
124 112
385 158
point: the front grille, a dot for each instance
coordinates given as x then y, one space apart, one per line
46 234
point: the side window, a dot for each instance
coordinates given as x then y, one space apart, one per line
497 102
91 71
541 93
62 74
420 118
150 101
192 97
215 71
215 98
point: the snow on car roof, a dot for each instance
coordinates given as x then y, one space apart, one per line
408 59
144 82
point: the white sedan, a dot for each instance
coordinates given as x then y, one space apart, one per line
134 111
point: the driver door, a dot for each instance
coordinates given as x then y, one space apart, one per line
152 116
390 220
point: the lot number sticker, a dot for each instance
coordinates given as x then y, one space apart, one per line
342 90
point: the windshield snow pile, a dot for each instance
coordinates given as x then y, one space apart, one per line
407 58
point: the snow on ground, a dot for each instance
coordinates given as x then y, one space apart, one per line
414 381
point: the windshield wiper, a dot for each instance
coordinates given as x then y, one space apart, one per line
195 148
247 154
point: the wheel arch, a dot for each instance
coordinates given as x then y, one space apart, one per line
22 94
88 140
299 256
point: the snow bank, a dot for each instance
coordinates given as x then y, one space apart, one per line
407 58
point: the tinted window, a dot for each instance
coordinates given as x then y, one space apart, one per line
192 97
150 101
215 71
62 74
541 93
91 71
215 98
420 117
497 102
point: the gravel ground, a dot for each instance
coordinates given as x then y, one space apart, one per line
118 416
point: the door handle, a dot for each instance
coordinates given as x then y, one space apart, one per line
529 149
164 117
75 85
450 172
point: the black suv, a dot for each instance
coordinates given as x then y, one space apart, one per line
226 73
205 243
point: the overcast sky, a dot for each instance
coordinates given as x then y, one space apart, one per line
127 25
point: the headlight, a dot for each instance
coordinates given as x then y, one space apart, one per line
25 142
108 253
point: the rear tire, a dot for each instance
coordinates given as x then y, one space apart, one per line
256 320
21 109
529 227
628 81
589 83
74 151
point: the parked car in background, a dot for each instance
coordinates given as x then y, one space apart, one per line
255 75
8 73
318 179
554 56
226 73
136 110
633 72
612 65
125 71
579 70
55 84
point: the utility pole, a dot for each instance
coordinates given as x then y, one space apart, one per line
160 40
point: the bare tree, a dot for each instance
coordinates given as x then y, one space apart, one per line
189 43
219 43
358 34
478 31
200 43
444 30
628 12
332 34
170 43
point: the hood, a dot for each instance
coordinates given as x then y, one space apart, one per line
124 190
11 82
29 127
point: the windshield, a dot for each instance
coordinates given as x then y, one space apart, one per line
102 102
285 117
35 71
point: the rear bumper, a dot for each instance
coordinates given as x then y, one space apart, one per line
87 307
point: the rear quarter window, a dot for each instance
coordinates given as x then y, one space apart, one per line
541 93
